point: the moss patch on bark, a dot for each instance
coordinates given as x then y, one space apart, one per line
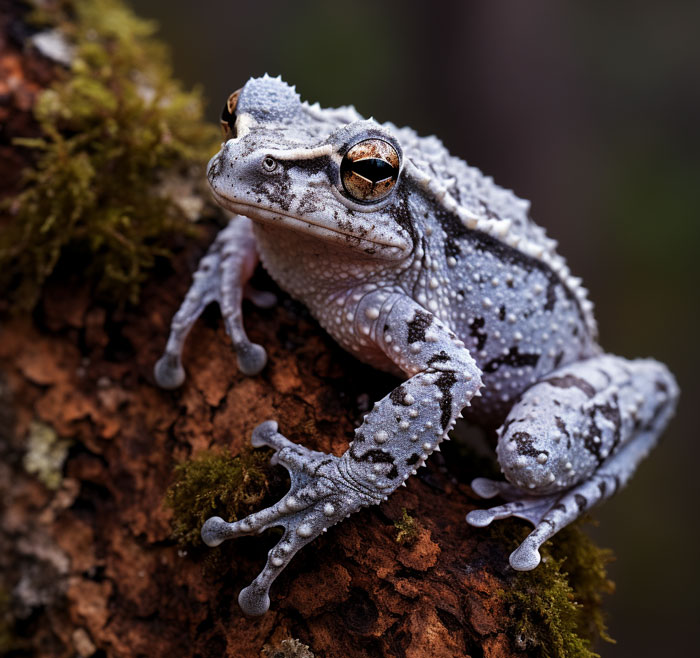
117 134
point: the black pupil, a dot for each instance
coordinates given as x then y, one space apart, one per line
373 169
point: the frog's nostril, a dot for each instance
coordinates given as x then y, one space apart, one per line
228 116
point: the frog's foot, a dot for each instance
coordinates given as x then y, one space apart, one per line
222 276
542 511
319 497
549 513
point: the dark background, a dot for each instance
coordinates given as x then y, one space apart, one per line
590 110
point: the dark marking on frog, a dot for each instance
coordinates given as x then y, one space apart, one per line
418 326
581 501
445 382
441 357
402 216
475 330
571 381
398 396
514 358
561 425
377 456
523 441
611 413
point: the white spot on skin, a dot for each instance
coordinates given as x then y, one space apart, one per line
372 313
305 530
381 436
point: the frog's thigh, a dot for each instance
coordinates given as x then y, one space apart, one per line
567 426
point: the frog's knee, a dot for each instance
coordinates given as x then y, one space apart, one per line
527 462
540 451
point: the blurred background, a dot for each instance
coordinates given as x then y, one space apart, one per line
590 110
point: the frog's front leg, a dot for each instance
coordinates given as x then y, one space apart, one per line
572 440
394 440
222 276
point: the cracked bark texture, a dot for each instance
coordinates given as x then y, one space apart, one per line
89 568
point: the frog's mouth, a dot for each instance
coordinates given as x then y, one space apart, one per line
306 225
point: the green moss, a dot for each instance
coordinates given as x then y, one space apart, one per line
289 648
215 484
556 608
116 129
407 528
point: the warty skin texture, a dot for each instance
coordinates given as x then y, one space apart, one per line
419 265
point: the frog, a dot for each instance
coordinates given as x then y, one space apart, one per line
421 266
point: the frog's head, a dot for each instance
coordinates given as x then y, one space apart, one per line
327 173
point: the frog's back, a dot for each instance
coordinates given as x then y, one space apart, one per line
493 275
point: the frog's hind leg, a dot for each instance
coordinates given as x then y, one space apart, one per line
222 276
572 441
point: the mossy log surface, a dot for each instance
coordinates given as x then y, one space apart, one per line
90 447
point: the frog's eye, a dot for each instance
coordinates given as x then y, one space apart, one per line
369 170
228 116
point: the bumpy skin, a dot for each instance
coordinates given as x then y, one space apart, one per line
433 273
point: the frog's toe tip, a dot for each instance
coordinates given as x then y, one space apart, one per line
525 558
485 488
251 358
213 531
253 602
480 518
262 434
168 372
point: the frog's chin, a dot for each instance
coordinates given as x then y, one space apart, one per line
391 247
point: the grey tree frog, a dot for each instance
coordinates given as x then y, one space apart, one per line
419 265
